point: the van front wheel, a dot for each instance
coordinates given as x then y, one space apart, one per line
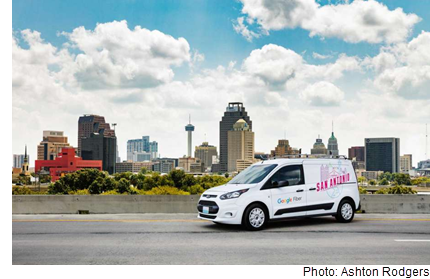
345 212
255 217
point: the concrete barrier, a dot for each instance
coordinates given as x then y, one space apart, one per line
115 204
395 204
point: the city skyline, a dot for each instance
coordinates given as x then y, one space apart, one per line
290 76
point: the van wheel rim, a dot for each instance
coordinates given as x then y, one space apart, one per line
256 217
346 211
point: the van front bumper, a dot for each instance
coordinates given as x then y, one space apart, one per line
220 211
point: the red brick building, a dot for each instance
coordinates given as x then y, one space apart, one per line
66 162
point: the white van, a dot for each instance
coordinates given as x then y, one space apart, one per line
284 188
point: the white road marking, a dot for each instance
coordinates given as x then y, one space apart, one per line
412 240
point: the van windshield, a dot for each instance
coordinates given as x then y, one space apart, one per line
252 174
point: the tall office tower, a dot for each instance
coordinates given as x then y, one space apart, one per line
356 152
141 148
153 149
18 160
240 146
319 147
382 154
283 148
405 163
99 146
233 113
205 152
51 145
189 129
332 148
90 123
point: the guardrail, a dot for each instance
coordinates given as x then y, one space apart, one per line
115 204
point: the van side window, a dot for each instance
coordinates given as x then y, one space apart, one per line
292 174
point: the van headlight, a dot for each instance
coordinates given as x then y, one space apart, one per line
233 195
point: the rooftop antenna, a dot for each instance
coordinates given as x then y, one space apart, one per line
426 141
189 118
285 134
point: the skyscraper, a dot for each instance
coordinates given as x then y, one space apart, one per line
189 129
99 146
141 148
205 152
51 145
284 148
382 154
233 113
405 163
18 160
332 148
356 152
90 123
240 147
319 147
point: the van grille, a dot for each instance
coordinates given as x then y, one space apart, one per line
213 207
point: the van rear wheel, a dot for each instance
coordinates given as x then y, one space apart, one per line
345 212
255 217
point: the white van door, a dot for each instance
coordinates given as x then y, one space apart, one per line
324 184
288 192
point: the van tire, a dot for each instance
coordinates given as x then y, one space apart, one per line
255 217
345 211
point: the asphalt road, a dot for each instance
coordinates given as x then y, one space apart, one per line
182 239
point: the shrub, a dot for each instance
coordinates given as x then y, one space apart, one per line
195 189
383 181
21 190
362 191
80 192
111 192
165 190
58 187
396 190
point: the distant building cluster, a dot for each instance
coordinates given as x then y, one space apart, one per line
97 148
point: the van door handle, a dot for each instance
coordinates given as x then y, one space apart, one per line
312 189
300 190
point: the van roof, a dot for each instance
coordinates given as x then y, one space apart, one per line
282 161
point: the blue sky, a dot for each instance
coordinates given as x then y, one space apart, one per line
373 93
207 25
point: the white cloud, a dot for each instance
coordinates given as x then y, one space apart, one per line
281 67
404 69
323 93
115 56
358 21
280 90
242 29
320 56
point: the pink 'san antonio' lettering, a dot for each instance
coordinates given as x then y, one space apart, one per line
332 182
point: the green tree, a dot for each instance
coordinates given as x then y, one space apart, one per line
123 186
402 179
372 182
384 181
176 176
143 170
